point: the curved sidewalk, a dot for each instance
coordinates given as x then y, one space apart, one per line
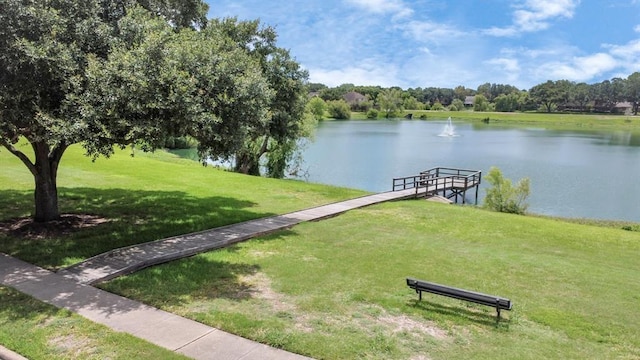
126 260
69 288
159 327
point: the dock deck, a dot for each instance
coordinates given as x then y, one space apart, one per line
449 183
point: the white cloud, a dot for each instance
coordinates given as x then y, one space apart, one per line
535 15
430 32
396 7
501 32
506 69
506 64
627 54
366 73
629 51
637 28
580 68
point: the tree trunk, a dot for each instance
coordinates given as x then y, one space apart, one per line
45 173
246 163
46 198
249 163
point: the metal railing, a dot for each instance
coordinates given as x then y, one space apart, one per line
439 179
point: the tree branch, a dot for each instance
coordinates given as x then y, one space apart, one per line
55 156
264 148
20 155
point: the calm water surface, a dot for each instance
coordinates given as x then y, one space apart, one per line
590 174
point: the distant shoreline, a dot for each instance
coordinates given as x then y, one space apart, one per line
569 120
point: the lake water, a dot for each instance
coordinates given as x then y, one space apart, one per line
582 174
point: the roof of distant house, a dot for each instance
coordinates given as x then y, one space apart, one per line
624 104
354 97
468 100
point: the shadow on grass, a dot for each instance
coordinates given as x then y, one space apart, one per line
134 217
460 312
192 280
20 307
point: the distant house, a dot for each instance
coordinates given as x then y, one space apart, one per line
468 101
624 107
354 98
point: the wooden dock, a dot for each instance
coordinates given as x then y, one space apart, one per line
449 183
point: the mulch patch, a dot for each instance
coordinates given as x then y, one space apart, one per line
26 227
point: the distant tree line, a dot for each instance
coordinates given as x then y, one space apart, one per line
610 96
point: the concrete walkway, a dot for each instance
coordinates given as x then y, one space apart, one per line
126 260
70 289
159 327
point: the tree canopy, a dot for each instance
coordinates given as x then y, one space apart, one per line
284 121
115 73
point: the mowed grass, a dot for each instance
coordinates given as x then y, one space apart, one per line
335 289
554 120
569 120
39 331
146 197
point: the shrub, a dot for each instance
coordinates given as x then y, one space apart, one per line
437 106
372 114
456 105
503 196
480 103
316 106
339 109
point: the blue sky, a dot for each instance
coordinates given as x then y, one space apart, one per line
425 43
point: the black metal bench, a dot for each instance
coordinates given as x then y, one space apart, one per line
490 300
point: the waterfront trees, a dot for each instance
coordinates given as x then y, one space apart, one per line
271 138
632 91
119 73
390 102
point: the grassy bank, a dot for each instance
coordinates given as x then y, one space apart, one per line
332 289
341 282
144 198
561 120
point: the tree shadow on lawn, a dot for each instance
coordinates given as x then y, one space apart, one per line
17 306
460 312
181 282
195 279
122 217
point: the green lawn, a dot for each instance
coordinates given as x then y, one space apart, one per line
341 282
39 331
555 120
332 289
145 198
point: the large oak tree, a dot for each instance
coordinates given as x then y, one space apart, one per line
108 73
270 147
